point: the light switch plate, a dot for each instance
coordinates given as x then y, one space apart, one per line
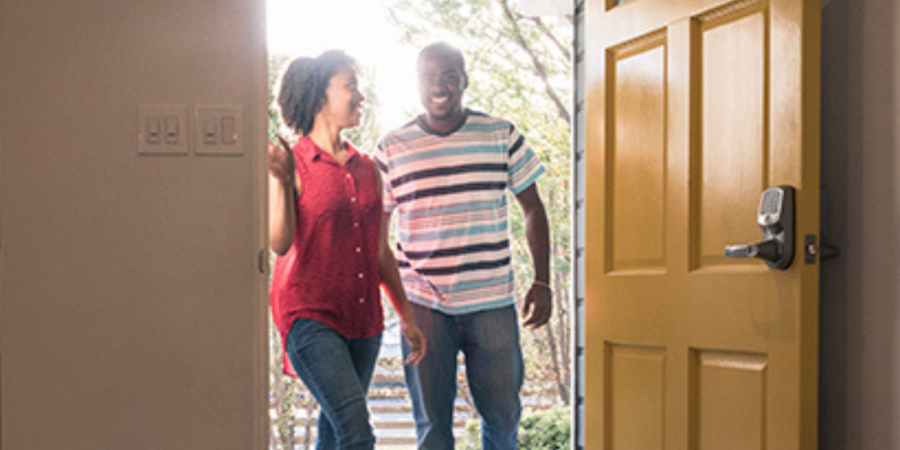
163 130
213 123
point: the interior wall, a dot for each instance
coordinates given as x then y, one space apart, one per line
131 314
860 342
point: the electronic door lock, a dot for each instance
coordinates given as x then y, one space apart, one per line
776 219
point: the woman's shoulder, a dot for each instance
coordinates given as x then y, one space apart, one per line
355 150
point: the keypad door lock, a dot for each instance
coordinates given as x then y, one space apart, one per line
776 219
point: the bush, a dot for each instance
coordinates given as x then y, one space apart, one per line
470 439
546 430
542 430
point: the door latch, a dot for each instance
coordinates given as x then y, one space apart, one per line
263 261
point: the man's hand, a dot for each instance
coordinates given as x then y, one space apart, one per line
538 306
281 162
417 342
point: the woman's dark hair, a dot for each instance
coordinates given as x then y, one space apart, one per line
301 90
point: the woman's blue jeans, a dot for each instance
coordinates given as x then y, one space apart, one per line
494 368
337 372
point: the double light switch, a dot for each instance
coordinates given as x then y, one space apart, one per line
162 129
166 130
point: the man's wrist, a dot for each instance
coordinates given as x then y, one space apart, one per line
543 284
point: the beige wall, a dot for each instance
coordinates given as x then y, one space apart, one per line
131 307
860 382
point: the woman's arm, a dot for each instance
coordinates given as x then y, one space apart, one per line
393 286
282 201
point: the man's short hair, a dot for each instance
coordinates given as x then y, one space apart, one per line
444 49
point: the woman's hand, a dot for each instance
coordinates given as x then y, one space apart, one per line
281 162
416 339
283 190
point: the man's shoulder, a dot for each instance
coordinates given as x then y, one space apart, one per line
484 119
410 124
401 133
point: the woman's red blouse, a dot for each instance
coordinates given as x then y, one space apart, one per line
330 274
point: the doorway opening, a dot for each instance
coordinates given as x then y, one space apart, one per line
521 67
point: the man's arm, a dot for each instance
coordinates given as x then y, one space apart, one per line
393 286
539 302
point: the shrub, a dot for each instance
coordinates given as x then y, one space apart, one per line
539 430
546 430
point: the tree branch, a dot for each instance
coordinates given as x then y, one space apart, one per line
538 66
559 45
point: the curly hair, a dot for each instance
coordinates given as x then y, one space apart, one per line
301 90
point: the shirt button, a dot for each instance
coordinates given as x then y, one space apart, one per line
355 224
358 249
360 275
353 199
362 300
348 175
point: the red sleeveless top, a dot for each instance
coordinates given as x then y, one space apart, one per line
330 274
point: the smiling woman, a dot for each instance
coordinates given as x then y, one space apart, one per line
326 225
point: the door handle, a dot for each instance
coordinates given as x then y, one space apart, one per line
765 250
776 219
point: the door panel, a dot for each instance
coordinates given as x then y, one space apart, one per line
636 396
693 109
733 116
637 157
728 409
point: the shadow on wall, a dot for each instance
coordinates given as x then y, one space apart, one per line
860 338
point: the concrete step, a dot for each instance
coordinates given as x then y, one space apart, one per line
388 377
382 443
405 421
388 405
385 438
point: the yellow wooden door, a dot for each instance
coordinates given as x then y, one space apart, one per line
694 108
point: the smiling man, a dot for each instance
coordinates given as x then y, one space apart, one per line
447 174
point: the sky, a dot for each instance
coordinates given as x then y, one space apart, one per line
309 27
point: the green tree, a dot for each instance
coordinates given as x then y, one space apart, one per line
366 135
519 68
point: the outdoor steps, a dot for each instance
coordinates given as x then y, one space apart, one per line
393 422
391 411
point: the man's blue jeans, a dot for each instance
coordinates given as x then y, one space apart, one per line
337 371
489 341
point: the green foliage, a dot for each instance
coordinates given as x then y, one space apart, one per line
539 430
366 135
470 439
277 64
546 430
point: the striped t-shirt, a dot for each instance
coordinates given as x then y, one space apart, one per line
450 195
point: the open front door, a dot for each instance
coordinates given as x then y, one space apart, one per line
694 109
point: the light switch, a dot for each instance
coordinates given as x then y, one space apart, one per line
219 132
210 131
229 133
172 132
162 129
151 125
